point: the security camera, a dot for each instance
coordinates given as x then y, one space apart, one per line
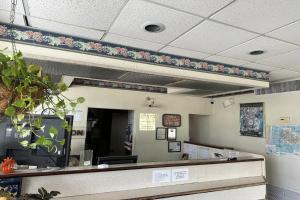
212 101
150 102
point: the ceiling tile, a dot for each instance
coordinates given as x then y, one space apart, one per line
288 33
66 29
226 60
132 42
202 8
258 66
288 60
269 45
260 15
90 14
283 74
184 52
4 17
212 37
6 5
136 14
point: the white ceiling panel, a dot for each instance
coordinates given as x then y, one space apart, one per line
136 14
289 60
184 52
288 33
269 45
88 13
258 66
4 17
6 5
132 42
260 15
202 8
212 37
226 60
65 29
280 75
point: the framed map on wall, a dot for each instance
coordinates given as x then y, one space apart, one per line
252 119
284 140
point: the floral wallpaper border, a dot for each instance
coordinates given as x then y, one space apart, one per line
55 40
118 85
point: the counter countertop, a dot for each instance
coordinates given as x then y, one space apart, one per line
174 190
92 169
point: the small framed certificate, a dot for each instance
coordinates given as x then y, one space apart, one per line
174 146
161 133
172 133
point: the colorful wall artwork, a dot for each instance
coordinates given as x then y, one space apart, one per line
252 119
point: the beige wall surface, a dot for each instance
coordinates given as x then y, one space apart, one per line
222 128
145 144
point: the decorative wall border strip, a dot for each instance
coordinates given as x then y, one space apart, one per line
118 85
33 36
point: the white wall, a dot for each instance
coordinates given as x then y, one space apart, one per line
144 143
222 128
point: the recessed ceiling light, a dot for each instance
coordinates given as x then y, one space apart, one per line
154 27
256 52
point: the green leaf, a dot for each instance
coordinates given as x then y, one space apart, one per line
34 69
60 114
4 58
80 100
32 146
24 143
62 142
53 131
10 111
62 86
25 132
6 81
38 123
33 89
61 104
40 141
47 143
20 103
73 104
20 117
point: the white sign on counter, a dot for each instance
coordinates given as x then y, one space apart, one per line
181 174
161 176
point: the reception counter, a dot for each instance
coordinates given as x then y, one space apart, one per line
190 179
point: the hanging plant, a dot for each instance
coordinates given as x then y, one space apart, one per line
22 89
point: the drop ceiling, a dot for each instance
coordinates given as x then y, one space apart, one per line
220 30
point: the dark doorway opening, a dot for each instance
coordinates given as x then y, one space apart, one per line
107 132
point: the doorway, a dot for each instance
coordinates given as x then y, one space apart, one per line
108 132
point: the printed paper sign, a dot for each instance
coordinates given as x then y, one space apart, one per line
161 176
180 174
147 121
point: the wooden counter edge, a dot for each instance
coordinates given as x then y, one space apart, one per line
32 173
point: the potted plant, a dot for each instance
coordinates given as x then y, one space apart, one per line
23 88
42 194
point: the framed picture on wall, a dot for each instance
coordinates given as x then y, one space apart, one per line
161 133
174 146
171 120
171 133
252 120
